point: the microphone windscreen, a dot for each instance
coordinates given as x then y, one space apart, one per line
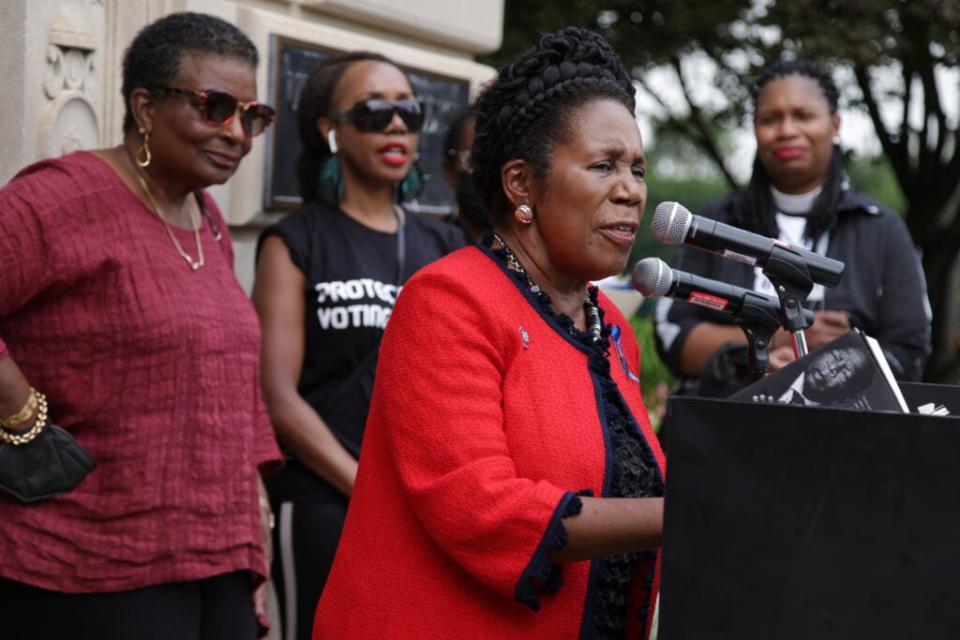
652 277
671 221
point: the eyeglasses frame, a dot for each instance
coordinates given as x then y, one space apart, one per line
201 96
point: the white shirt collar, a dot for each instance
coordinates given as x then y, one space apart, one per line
794 203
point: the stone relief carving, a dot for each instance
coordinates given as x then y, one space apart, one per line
69 119
69 69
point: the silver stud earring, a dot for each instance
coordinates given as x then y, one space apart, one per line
523 214
332 141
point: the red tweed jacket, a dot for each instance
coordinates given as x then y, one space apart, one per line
485 422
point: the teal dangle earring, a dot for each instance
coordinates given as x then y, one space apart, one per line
412 183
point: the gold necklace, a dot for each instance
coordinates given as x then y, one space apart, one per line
194 264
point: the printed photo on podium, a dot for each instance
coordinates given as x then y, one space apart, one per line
849 372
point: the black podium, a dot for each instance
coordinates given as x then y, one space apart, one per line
805 523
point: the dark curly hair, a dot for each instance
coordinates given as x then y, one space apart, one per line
527 110
315 102
759 212
153 58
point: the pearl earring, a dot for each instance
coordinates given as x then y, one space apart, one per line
332 141
523 214
836 140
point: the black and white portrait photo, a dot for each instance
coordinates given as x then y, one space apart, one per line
837 376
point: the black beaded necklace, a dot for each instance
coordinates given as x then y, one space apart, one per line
593 314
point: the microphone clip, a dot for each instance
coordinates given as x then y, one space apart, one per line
790 276
793 283
759 324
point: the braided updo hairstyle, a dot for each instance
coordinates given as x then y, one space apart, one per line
759 211
527 110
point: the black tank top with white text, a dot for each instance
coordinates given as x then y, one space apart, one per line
352 281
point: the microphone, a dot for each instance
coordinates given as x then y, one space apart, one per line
652 277
674 224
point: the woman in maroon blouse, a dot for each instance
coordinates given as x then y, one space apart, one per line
118 303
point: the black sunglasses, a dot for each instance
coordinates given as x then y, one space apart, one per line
219 107
375 114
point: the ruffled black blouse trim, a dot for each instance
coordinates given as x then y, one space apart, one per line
542 576
632 473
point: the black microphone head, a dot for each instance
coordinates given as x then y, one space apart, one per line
652 277
671 222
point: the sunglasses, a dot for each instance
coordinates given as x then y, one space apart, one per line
219 107
375 114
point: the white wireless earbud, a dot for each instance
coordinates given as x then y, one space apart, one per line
332 141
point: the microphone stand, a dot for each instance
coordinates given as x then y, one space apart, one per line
791 278
759 325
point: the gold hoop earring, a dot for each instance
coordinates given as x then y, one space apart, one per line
144 151
523 214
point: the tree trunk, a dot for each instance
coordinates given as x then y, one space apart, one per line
944 363
940 248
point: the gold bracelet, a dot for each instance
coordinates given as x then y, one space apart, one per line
19 439
23 416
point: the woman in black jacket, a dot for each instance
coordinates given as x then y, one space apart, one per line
800 194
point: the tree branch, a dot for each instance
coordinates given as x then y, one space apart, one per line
655 95
931 96
906 77
672 120
895 151
704 135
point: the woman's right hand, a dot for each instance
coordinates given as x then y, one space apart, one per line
827 326
779 358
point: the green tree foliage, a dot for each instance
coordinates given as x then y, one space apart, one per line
864 39
874 176
692 192
655 378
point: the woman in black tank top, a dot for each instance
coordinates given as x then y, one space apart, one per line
327 278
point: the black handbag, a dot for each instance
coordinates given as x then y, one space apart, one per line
50 464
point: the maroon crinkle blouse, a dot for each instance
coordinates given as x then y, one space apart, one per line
153 368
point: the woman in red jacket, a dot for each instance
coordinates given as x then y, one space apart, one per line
509 483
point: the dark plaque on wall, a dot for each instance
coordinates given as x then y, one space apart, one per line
291 64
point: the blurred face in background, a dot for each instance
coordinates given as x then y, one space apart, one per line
457 163
795 131
589 206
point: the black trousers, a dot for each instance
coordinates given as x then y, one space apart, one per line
217 608
304 544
